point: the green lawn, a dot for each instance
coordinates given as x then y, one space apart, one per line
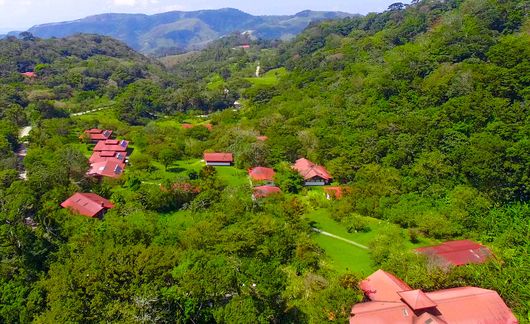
270 78
232 176
344 256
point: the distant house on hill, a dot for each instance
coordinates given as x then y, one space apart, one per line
456 253
261 174
265 191
262 138
95 135
111 145
219 159
112 168
313 174
187 126
87 204
393 301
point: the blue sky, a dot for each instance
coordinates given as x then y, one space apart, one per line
22 14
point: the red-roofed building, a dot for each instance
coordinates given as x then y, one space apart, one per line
187 126
30 74
218 159
106 156
313 174
390 303
111 145
456 253
262 138
96 135
383 286
261 174
111 168
265 191
87 204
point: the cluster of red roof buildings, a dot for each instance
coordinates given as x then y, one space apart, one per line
263 178
390 300
109 155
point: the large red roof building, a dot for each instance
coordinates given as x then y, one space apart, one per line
112 168
393 301
87 204
313 174
96 134
219 159
261 174
111 145
456 253
106 156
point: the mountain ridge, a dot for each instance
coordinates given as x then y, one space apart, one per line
137 29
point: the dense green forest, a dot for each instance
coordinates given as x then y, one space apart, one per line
421 111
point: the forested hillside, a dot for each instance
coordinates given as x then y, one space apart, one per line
420 114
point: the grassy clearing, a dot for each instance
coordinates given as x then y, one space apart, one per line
270 78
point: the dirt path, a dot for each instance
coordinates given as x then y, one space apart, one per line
22 151
340 238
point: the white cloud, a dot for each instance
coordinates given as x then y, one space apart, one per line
124 2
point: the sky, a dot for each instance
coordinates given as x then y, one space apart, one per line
22 14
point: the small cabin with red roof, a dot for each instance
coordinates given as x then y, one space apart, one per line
392 301
219 159
111 145
87 204
111 168
313 174
265 191
187 126
456 253
261 174
95 135
29 74
262 138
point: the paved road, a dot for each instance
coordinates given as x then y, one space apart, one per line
340 238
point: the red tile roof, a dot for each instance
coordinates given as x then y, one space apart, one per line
112 168
261 174
456 305
187 126
265 191
111 145
383 286
416 299
262 138
29 74
96 134
457 253
309 170
218 157
87 204
106 155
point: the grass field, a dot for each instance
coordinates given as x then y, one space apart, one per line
270 78
344 256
